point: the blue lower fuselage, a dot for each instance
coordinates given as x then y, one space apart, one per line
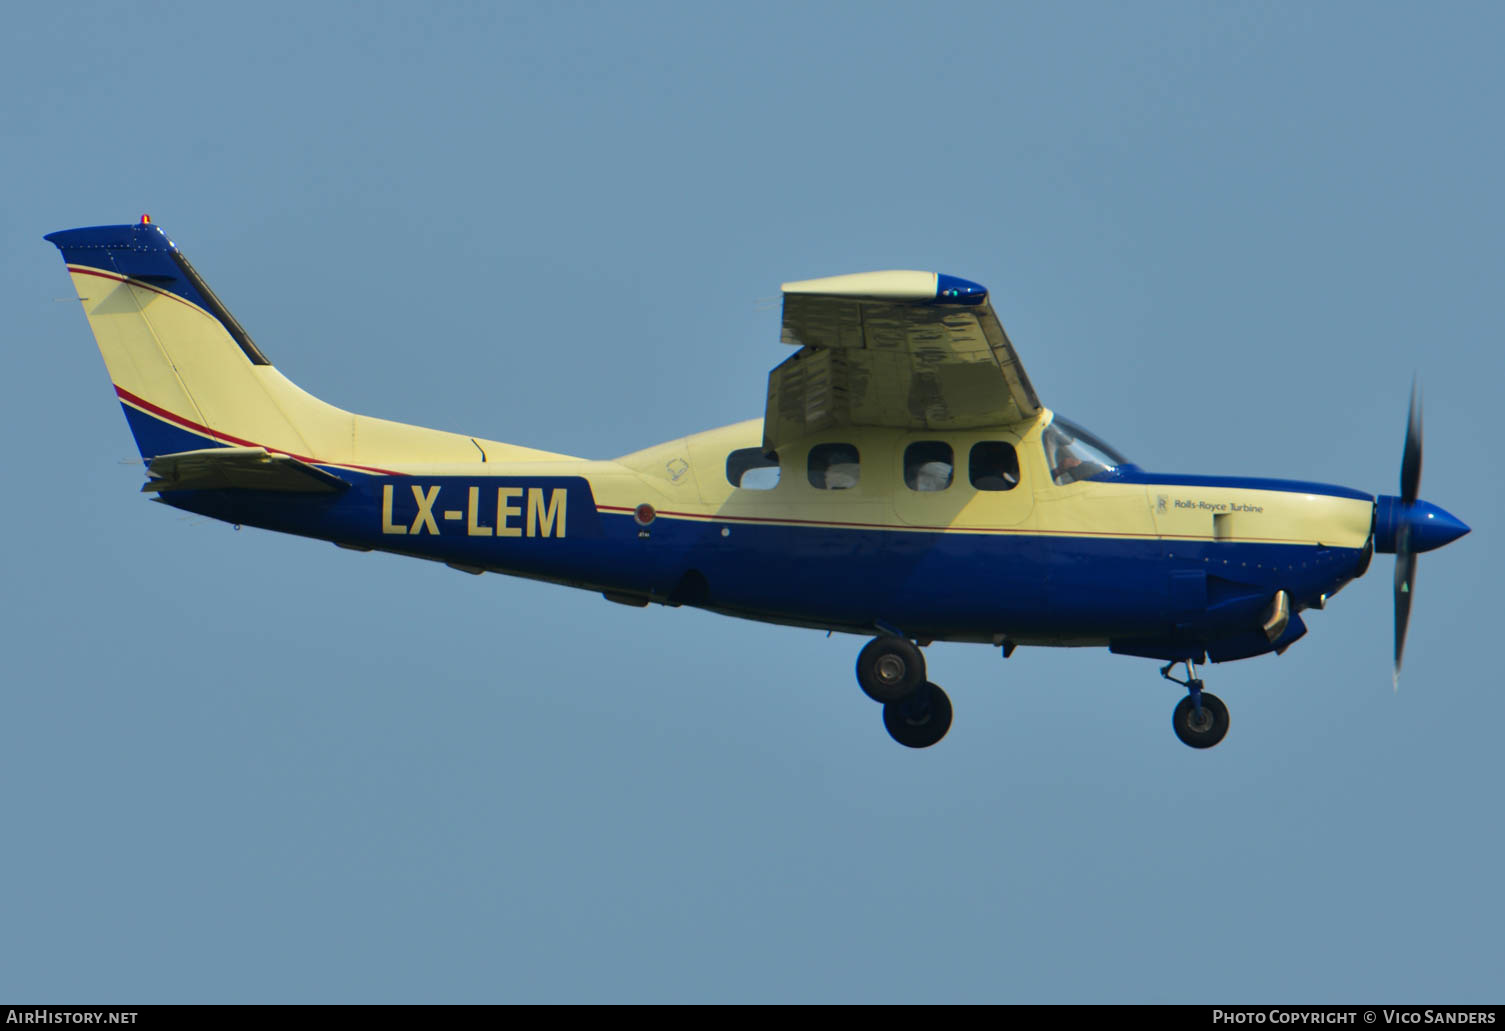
1143 596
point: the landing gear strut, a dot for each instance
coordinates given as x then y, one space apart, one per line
1201 718
891 671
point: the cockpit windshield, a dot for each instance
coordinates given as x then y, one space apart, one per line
1075 454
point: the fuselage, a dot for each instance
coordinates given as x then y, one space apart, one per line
1166 566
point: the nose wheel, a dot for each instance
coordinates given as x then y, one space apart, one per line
1200 719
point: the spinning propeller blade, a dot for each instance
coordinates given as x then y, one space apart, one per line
1410 462
1405 580
1405 558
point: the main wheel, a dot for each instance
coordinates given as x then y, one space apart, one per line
1205 730
890 668
920 720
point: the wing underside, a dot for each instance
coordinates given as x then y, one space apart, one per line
893 349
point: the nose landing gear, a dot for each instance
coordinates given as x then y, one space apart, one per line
1201 718
891 671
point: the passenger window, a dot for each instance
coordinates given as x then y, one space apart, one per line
928 465
994 465
833 466
750 469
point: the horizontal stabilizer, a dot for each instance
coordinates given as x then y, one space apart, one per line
238 468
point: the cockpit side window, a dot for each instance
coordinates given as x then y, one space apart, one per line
1075 454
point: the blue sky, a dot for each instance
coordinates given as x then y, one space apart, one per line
239 767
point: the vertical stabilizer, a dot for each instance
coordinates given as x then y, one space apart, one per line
189 376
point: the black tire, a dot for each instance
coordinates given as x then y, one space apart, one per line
1212 727
921 719
890 668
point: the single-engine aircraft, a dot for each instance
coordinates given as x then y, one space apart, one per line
904 483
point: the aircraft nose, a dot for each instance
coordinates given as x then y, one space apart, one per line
1430 527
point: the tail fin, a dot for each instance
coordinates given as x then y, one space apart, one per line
190 377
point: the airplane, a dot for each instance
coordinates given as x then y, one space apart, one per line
905 483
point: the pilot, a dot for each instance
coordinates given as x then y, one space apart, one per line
1066 465
1058 456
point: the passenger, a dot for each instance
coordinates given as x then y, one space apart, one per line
932 476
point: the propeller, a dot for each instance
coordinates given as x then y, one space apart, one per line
1405 526
1405 558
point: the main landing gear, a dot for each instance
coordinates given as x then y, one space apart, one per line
1200 719
917 713
891 671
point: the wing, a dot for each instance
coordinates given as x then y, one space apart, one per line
908 349
238 468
